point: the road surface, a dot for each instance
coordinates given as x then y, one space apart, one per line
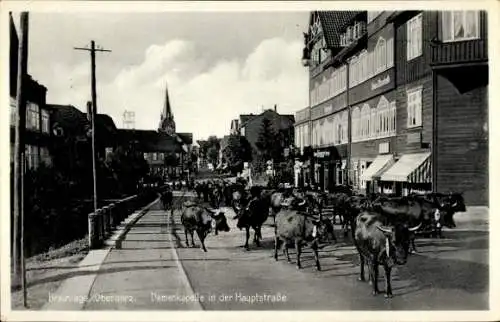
155 271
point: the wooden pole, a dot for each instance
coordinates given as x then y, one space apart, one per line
19 153
93 113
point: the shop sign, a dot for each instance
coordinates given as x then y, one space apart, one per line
322 154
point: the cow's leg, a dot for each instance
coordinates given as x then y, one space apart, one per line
285 251
298 250
201 236
247 237
375 277
186 234
192 238
277 243
388 287
257 236
413 249
362 268
314 247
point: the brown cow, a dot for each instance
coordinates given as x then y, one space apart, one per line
378 244
299 228
202 220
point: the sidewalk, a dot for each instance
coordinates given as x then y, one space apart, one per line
475 218
144 274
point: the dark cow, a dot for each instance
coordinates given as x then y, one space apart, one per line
167 199
253 215
295 227
202 220
379 244
198 187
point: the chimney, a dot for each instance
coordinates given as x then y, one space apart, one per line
276 108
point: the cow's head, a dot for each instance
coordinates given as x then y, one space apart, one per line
219 220
397 242
245 213
456 202
323 230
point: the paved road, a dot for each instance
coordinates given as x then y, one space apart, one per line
447 274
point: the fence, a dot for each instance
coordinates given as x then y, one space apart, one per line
105 220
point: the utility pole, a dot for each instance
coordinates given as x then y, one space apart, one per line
19 160
93 50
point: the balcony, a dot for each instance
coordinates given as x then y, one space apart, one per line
458 53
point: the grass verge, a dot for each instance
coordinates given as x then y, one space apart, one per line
46 272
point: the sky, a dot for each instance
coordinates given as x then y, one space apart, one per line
217 65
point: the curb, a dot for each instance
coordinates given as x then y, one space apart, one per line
73 293
180 267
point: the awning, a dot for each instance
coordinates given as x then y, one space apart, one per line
415 168
381 163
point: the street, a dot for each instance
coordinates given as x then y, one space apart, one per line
154 270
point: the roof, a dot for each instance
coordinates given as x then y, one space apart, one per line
333 23
68 117
255 117
187 138
149 140
244 118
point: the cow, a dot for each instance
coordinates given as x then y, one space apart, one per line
380 244
253 215
198 218
167 199
216 195
301 228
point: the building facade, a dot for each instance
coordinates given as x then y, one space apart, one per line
38 133
413 102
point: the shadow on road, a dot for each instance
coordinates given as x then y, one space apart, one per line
92 272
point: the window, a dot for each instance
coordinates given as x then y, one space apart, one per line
460 25
414 37
345 128
380 56
392 117
355 119
414 98
155 156
32 116
31 157
162 156
390 52
45 156
145 156
365 121
45 121
242 131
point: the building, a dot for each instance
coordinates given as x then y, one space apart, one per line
415 113
324 124
250 127
38 133
161 151
71 145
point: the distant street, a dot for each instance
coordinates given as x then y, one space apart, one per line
446 274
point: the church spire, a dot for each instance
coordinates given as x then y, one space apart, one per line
167 123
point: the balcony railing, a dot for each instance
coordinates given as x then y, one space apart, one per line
459 52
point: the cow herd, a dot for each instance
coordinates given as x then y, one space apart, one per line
382 227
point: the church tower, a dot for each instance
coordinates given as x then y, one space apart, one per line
167 123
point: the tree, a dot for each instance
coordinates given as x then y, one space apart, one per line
237 151
128 166
268 143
